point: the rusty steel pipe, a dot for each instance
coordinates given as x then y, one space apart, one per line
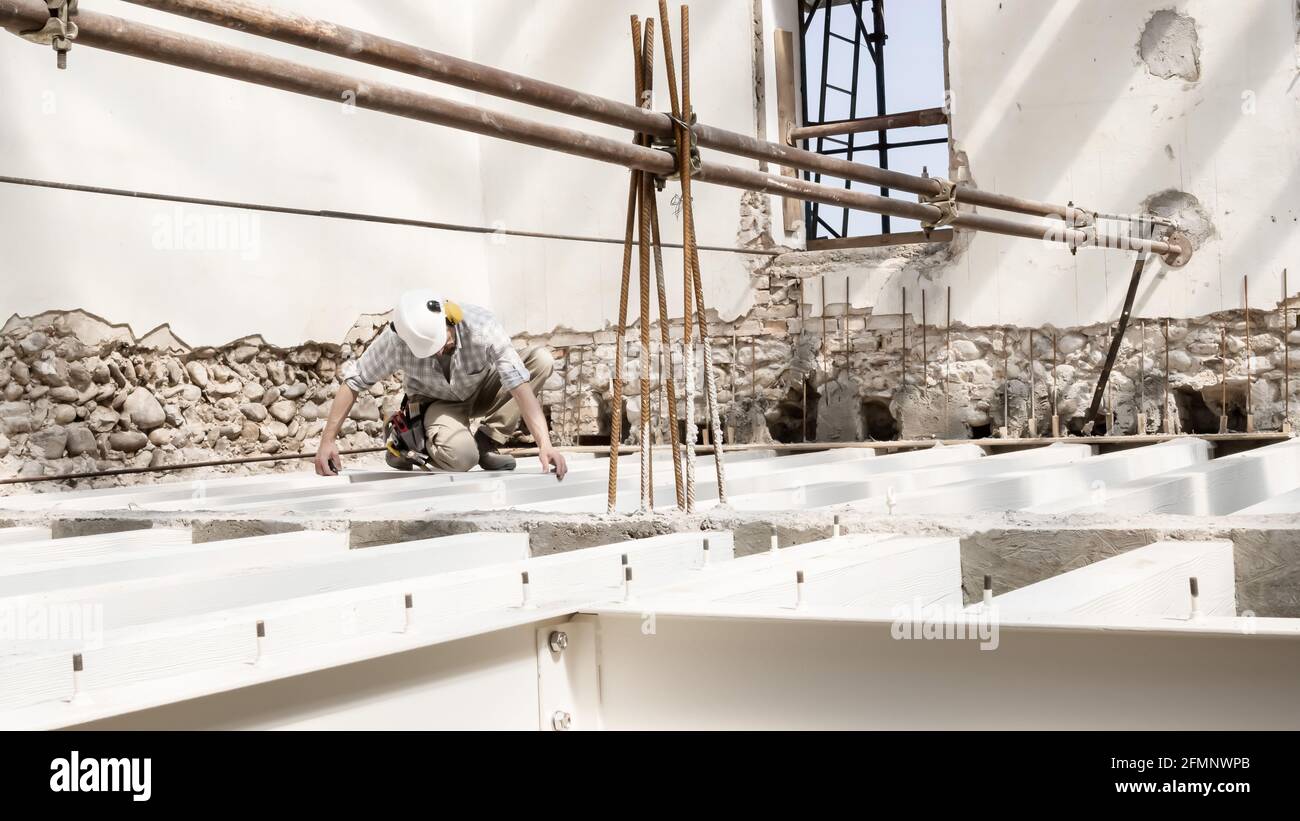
160 45
395 55
886 122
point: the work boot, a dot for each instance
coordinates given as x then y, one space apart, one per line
490 456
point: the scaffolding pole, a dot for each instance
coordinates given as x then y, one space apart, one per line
342 41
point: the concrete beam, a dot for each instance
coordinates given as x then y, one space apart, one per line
1215 488
1043 485
1148 581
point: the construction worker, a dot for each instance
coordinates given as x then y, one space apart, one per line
458 365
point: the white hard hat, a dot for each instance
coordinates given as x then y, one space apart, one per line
420 320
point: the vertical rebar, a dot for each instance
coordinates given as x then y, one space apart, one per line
647 73
665 342
1006 386
947 361
753 371
1031 406
1250 411
1286 357
577 401
633 187
1223 368
1142 375
844 330
902 316
691 249
1164 411
1054 389
925 348
822 288
803 376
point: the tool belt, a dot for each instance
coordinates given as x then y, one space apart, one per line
404 437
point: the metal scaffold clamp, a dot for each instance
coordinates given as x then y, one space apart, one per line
1081 220
945 201
670 146
59 31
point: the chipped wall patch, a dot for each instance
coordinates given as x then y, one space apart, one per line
1170 47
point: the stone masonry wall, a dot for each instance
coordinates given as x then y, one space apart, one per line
81 395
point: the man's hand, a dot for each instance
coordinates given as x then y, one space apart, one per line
327 458
550 457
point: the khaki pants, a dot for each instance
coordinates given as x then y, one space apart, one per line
450 444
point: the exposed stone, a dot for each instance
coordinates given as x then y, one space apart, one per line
4 446
63 414
305 355
81 440
34 343
198 373
225 388
145 410
295 391
51 372
253 411
175 374
20 373
161 436
284 411
127 441
79 377
1071 342
965 350
103 420
243 353
48 443
254 391
275 371
365 409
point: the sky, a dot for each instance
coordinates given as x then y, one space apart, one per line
913 80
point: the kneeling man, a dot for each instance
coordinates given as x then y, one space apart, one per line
458 366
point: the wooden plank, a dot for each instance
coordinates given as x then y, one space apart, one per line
786 106
1149 581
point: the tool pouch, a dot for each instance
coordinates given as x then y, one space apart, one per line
406 428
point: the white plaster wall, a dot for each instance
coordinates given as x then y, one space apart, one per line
120 122
1051 101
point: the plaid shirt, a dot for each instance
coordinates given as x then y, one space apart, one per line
480 342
